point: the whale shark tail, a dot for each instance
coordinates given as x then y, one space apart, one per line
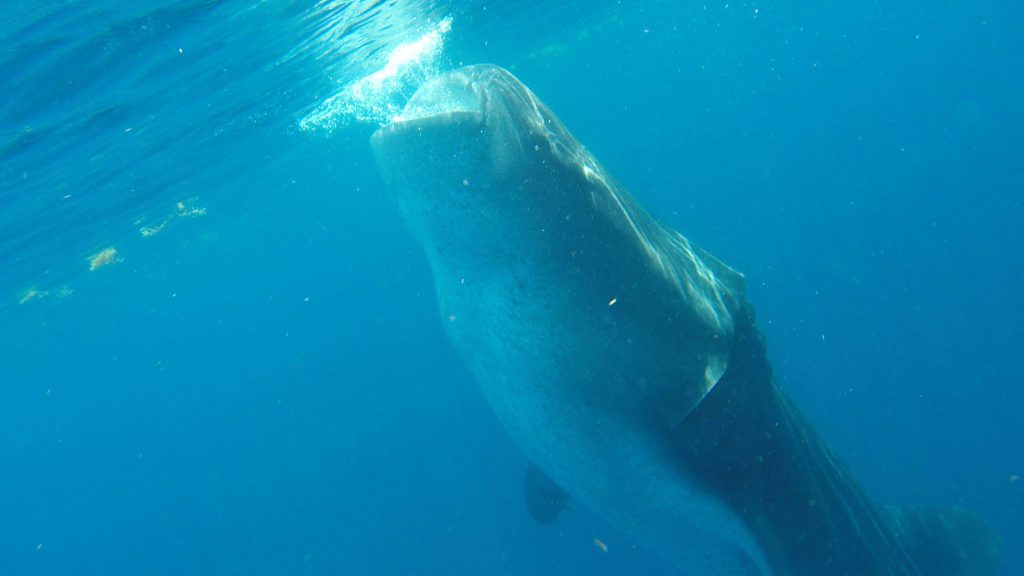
748 444
947 541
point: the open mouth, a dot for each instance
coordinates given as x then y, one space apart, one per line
452 96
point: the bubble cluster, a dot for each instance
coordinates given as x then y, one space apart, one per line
380 95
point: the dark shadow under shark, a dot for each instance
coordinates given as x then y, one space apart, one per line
625 361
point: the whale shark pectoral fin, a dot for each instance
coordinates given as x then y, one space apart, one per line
544 499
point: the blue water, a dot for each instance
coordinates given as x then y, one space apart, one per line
255 381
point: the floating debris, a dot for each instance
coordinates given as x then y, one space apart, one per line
31 294
155 229
182 209
104 257
37 293
186 211
601 545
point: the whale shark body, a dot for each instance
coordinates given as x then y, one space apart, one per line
624 360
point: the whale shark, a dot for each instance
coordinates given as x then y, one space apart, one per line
625 361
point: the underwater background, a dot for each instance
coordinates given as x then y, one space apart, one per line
220 351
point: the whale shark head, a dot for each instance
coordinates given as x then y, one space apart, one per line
473 162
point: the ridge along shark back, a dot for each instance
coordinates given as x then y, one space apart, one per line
625 361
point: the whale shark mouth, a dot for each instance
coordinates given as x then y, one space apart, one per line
454 96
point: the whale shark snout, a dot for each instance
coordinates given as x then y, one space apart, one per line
482 107
478 90
448 94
